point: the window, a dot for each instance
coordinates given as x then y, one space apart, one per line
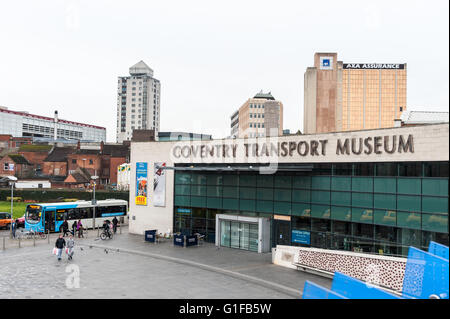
74 161
91 162
61 214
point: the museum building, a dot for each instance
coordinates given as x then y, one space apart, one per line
376 191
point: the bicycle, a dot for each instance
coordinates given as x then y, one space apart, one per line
106 234
32 234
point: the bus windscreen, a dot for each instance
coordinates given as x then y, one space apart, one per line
33 214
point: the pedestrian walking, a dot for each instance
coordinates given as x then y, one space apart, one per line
59 245
65 228
14 227
80 229
74 227
70 247
115 222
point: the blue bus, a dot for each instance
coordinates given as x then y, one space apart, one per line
49 216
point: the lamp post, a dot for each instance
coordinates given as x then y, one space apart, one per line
12 180
94 202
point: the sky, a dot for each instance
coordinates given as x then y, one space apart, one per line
210 56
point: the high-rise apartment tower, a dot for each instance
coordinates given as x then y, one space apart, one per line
138 102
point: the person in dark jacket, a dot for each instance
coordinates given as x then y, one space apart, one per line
74 228
59 245
14 228
115 222
65 228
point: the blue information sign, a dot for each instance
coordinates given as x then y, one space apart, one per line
184 210
301 237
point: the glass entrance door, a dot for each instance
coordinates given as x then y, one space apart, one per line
244 239
253 237
282 232
239 235
235 235
225 234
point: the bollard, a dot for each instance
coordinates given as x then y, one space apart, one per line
34 241
4 243
48 236
19 242
120 228
98 231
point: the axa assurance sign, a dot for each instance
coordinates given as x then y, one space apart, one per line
386 66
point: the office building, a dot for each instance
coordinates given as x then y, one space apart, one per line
352 96
24 124
259 116
138 102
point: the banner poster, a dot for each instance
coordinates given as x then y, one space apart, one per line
141 184
159 185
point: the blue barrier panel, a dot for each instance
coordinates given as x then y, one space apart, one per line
356 289
178 240
438 250
150 235
313 291
191 241
425 275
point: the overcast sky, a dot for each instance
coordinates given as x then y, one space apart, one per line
210 56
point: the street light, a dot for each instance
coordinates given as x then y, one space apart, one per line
11 180
94 202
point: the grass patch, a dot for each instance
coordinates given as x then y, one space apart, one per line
18 208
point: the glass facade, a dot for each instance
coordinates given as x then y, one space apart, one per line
372 98
379 208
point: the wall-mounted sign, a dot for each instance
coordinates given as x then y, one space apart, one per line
387 66
282 217
141 184
326 63
184 210
301 237
300 148
159 185
11 167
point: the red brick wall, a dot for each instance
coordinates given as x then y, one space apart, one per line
114 162
8 160
54 168
35 158
96 161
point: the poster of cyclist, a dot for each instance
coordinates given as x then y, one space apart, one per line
159 185
141 184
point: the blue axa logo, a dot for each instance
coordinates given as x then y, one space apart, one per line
326 62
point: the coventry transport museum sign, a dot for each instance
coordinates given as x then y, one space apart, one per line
348 146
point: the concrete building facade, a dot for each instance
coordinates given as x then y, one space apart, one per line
24 124
352 96
259 116
138 102
376 191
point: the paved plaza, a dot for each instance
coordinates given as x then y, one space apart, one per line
128 267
